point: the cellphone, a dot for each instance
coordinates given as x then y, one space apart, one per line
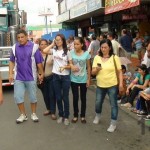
54 41
98 64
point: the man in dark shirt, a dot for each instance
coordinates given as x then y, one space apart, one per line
126 42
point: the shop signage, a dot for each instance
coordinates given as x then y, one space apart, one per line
72 3
78 10
93 5
69 4
136 13
62 17
134 17
117 5
63 6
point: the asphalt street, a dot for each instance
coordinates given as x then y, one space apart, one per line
48 135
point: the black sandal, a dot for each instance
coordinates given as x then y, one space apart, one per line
46 113
74 120
83 120
53 117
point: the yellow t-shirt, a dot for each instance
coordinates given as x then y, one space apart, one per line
106 77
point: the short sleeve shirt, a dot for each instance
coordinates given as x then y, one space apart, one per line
60 60
106 77
126 43
147 90
25 63
80 62
116 46
95 45
141 82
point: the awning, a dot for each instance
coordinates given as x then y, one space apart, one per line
112 6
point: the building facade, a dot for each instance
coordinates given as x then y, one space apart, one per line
101 16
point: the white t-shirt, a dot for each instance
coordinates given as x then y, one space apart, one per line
94 47
60 60
146 60
147 90
116 46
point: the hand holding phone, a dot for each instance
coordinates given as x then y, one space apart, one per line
98 65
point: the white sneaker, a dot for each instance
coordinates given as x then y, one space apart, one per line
111 128
22 118
60 120
147 117
96 119
34 117
66 122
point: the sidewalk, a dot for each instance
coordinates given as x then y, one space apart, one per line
140 120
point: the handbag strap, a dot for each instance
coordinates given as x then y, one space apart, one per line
45 63
116 69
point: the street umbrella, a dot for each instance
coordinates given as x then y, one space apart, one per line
125 61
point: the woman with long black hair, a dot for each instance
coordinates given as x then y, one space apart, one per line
61 75
80 77
138 84
107 68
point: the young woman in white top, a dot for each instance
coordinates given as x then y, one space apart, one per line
61 75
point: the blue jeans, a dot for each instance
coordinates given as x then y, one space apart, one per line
48 94
61 87
112 93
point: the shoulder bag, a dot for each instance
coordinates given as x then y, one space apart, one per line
116 71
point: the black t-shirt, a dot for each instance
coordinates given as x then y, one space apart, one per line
126 43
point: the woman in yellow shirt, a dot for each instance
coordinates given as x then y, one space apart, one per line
107 83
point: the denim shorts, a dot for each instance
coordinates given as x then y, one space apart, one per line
19 91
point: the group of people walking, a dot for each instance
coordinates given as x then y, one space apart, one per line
60 69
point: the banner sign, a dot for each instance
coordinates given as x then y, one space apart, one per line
78 10
117 5
93 5
62 17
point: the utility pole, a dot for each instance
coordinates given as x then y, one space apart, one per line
46 14
51 27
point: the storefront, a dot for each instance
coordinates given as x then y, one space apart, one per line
119 13
137 18
84 15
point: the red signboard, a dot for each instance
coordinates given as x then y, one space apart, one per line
117 5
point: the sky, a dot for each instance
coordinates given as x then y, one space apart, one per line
34 7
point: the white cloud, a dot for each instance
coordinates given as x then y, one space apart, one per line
34 7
